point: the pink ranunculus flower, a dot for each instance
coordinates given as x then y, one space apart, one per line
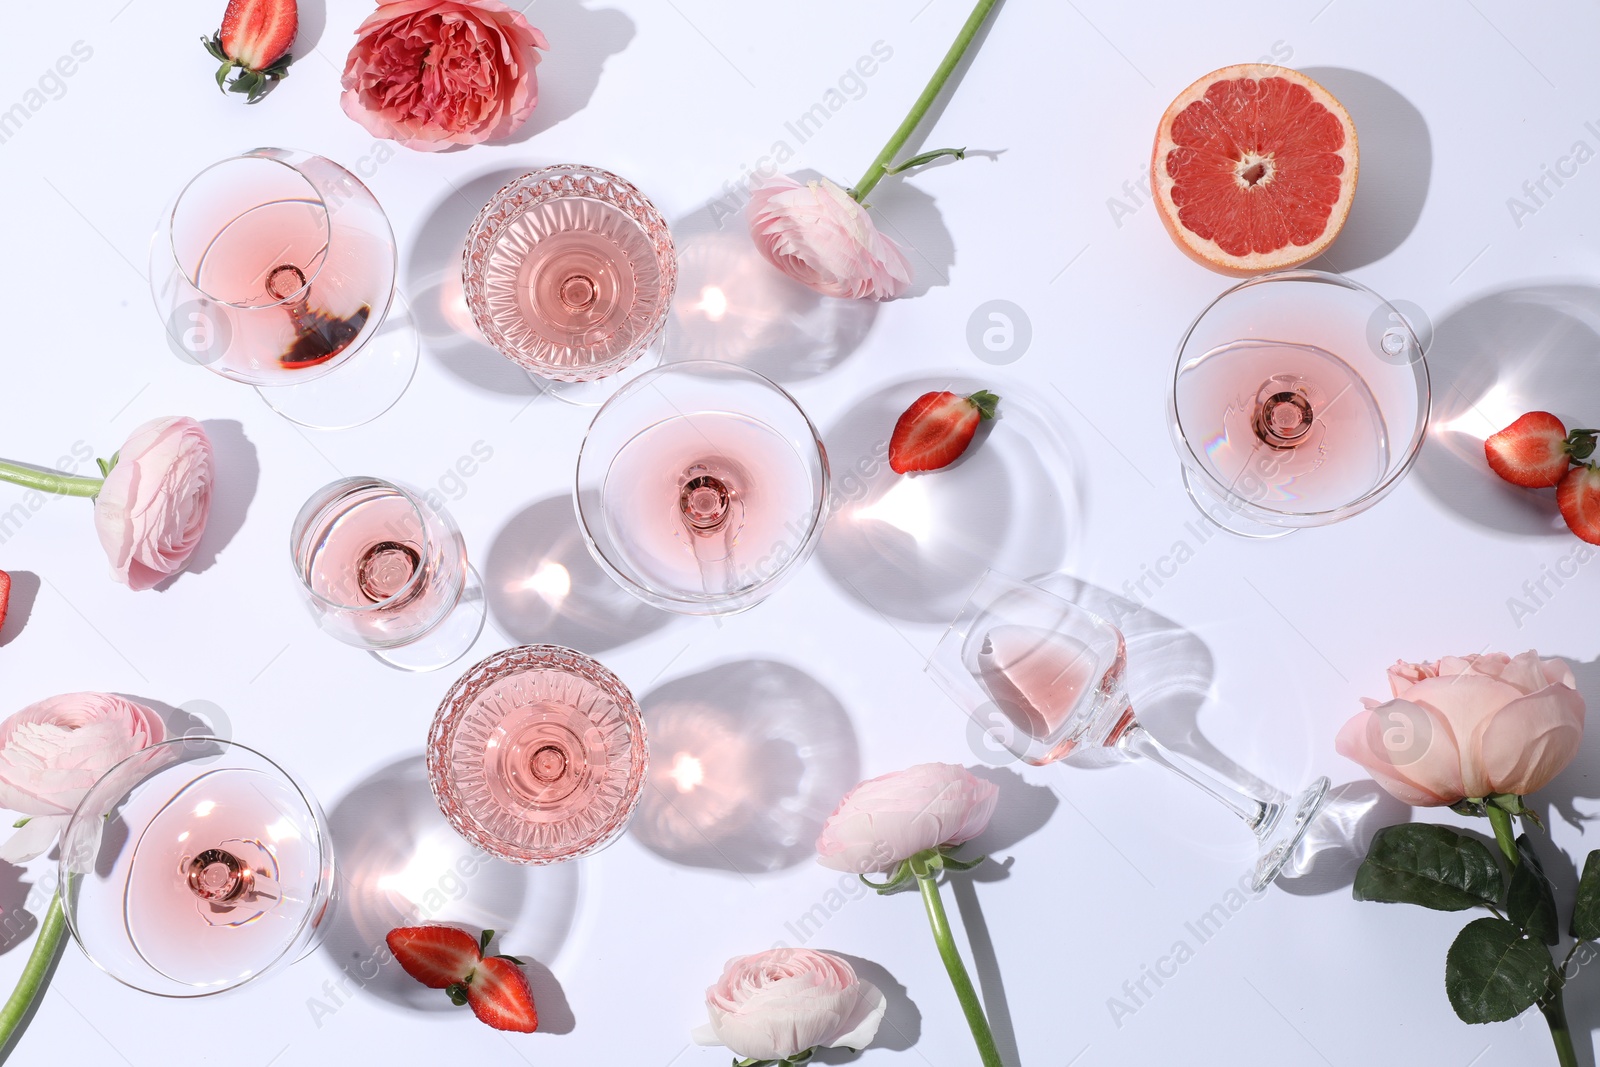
435 73
884 821
1468 727
52 752
819 236
776 1004
152 509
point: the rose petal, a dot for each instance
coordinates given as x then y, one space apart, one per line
1532 739
1379 741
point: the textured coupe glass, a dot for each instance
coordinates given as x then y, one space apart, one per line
569 272
195 866
701 487
277 268
383 569
1299 399
1055 672
537 755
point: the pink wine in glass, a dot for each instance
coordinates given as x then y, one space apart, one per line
1036 676
194 866
263 278
206 891
380 566
569 271
537 754
1290 427
710 501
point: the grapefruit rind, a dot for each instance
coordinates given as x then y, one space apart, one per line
1206 251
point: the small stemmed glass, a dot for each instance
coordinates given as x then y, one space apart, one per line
382 568
569 272
195 866
1055 672
277 268
1299 398
701 487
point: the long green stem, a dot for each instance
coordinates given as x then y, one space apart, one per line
1504 835
880 166
46 482
32 982
958 971
1555 1013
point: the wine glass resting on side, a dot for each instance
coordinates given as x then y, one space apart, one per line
1056 672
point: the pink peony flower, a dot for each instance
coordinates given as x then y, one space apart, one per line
1468 726
817 235
52 752
436 73
777 1004
887 820
152 509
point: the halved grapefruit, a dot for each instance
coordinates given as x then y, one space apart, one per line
1254 169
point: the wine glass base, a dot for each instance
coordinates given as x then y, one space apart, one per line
1282 830
594 393
364 387
448 641
1219 514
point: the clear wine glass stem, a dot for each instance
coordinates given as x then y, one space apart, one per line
1136 740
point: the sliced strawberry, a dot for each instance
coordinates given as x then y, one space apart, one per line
499 995
936 429
255 38
1579 500
1531 452
5 597
436 956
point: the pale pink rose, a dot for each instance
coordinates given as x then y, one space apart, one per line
816 234
436 73
1468 726
886 820
152 509
776 1004
52 752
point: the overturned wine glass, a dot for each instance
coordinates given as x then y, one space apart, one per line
1055 671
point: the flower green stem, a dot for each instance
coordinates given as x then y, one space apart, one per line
968 996
880 166
1504 835
46 482
1555 1013
33 980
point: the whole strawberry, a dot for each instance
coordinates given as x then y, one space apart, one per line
253 45
937 428
443 957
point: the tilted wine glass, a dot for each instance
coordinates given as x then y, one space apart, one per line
537 754
701 487
569 272
195 866
277 268
1055 672
382 568
1299 398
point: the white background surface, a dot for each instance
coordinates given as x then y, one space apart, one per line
1457 105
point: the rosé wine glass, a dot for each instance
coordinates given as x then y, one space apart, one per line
195 866
1300 398
569 272
277 268
384 569
537 754
701 487
1054 672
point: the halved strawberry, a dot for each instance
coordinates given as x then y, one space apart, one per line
436 956
499 995
937 428
1579 499
1533 452
5 597
255 38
